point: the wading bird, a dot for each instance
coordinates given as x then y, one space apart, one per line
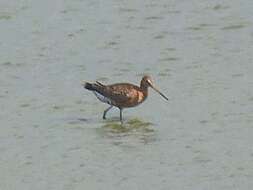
122 95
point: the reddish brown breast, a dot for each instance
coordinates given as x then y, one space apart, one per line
142 95
138 98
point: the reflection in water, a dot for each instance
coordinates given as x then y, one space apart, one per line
133 124
133 131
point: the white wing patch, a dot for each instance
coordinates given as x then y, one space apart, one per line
102 98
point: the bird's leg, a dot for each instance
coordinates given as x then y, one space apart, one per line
106 112
121 115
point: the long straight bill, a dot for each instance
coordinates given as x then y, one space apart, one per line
159 92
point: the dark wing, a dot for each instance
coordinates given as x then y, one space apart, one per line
100 83
119 93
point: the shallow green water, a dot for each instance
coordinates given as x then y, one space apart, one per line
199 54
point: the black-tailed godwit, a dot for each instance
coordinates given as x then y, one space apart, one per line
122 95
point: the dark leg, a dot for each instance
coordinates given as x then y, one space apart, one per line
106 112
121 115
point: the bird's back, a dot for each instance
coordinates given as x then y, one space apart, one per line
120 94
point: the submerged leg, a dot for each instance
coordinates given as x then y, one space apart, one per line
106 112
121 120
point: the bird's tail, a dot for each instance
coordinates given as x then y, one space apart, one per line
88 86
92 86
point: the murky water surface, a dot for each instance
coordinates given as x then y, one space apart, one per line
199 54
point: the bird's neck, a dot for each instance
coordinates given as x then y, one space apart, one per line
144 90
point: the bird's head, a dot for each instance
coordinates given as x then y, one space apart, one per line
148 82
